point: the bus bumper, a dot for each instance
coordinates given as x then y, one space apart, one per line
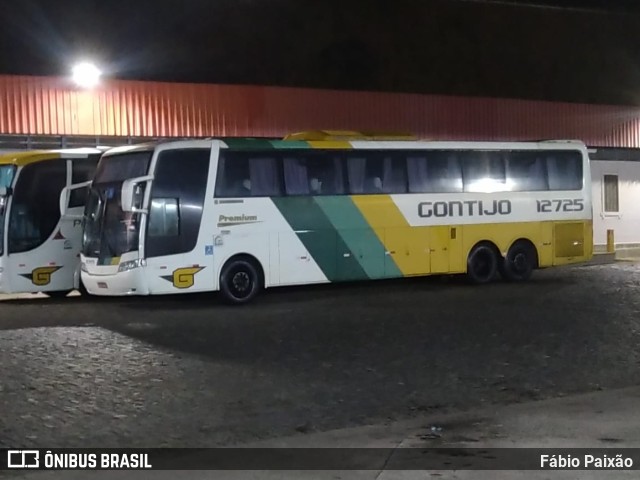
120 284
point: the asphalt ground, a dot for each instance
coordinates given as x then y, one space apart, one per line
188 371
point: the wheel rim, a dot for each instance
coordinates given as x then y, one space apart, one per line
240 284
520 262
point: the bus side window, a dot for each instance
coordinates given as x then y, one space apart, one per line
526 172
264 176
81 171
565 170
296 176
394 177
375 173
233 176
434 172
312 173
483 171
250 174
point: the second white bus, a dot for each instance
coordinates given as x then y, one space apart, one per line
39 247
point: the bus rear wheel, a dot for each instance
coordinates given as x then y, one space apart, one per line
519 263
482 264
240 281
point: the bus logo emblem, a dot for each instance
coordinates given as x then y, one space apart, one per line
183 277
41 276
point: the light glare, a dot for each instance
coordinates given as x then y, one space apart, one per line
86 75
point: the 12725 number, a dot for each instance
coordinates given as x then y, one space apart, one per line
565 205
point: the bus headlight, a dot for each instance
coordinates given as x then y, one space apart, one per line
83 267
126 266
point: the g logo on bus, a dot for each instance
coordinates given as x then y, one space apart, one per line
183 277
41 276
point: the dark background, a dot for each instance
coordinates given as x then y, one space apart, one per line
580 51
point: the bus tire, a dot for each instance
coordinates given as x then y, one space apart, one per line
519 263
482 263
240 281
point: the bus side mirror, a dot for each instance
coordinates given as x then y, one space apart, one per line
5 191
133 194
64 200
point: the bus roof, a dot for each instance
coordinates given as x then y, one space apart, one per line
345 143
371 143
21 159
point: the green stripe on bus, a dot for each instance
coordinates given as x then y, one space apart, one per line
248 144
320 238
285 144
363 242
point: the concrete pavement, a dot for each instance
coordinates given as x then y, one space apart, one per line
596 420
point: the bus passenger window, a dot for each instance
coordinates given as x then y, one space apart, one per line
438 172
356 174
325 175
394 179
263 175
565 170
373 175
483 172
233 176
243 175
313 174
366 174
526 172
296 176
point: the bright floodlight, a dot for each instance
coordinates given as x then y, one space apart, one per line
86 75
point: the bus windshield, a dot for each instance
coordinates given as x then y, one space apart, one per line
108 231
7 173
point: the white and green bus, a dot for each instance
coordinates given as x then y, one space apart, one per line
39 247
239 215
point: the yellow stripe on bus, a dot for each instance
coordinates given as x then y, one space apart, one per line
407 246
330 144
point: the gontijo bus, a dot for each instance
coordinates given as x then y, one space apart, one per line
238 215
39 248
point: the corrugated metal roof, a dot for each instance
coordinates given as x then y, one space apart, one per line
53 106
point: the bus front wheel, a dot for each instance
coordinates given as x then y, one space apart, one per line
240 281
519 262
482 264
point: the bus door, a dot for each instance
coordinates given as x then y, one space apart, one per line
177 248
407 250
445 247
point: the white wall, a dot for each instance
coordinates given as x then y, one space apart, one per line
626 225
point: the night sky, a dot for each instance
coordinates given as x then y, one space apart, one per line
587 51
